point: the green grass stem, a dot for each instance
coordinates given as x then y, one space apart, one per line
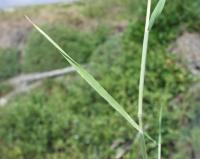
160 133
142 75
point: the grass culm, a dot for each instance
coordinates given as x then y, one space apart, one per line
150 19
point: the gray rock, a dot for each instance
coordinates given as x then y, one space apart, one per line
187 48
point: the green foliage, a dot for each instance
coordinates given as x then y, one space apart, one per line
177 16
102 8
188 120
34 129
91 126
9 63
4 89
42 126
181 13
89 79
195 141
156 12
67 119
164 79
40 55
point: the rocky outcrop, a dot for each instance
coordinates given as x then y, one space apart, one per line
187 48
13 34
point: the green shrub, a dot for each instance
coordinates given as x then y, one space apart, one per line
181 13
178 16
34 129
41 56
9 63
86 126
80 115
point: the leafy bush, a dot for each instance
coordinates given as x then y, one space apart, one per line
81 116
33 128
178 16
41 56
181 13
9 63
67 119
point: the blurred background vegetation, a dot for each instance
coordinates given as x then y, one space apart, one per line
64 117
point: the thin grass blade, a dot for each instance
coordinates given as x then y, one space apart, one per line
141 81
90 80
143 146
159 133
157 11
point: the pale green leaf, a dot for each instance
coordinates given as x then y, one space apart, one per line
90 80
143 146
159 133
157 11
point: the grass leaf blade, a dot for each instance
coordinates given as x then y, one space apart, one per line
143 146
157 11
159 133
90 80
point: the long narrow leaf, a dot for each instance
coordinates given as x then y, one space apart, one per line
90 80
159 133
143 146
141 81
157 11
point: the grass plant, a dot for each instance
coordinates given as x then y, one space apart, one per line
149 23
150 19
